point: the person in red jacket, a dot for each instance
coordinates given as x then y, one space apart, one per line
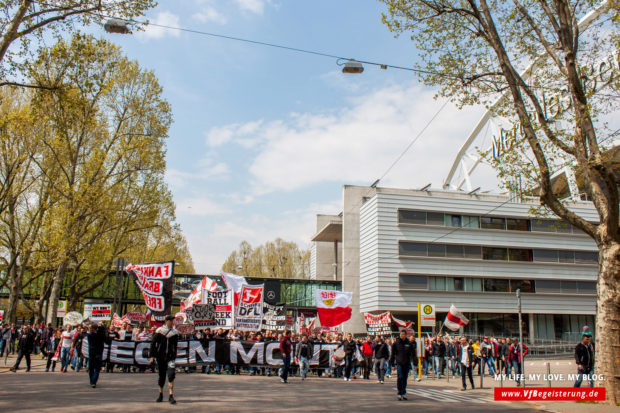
285 348
367 354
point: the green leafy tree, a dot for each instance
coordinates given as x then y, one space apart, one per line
533 53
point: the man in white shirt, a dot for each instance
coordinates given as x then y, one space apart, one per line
66 340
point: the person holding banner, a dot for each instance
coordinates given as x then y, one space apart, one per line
164 351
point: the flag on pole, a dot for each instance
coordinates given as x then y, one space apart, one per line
455 319
401 323
196 296
234 282
333 307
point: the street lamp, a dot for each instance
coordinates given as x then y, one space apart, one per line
117 26
352 66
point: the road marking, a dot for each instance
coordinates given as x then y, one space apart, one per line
448 395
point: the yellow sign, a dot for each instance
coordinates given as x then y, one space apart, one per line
61 310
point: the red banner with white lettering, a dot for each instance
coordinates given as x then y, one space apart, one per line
156 282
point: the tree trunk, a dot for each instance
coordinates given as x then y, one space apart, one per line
57 283
608 321
15 290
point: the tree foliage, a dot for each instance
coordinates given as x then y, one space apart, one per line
530 63
277 259
89 186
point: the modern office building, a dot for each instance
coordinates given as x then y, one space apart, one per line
400 247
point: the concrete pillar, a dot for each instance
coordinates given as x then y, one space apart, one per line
532 328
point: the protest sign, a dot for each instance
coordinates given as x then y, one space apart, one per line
224 309
98 312
250 310
378 324
156 282
274 317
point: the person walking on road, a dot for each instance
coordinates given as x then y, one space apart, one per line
465 356
25 345
164 352
382 354
97 337
349 346
367 354
303 353
403 354
584 358
286 348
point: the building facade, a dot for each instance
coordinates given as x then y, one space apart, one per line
401 247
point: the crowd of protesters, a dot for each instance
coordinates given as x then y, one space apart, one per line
360 357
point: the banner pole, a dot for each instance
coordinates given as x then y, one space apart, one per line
420 341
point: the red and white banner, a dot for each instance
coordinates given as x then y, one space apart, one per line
455 319
333 307
234 282
135 317
401 323
156 282
98 312
207 284
117 321
250 309
1 315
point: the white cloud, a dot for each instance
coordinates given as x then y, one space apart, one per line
209 169
163 18
253 6
245 132
210 14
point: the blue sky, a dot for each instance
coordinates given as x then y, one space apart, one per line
263 139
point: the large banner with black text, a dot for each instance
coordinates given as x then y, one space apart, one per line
194 352
156 282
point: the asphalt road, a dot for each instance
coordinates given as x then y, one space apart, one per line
134 392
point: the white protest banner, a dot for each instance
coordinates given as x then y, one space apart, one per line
98 312
250 310
224 309
72 318
136 317
378 324
1 315
202 315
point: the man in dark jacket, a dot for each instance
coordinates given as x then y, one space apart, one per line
164 352
439 354
584 358
97 337
382 354
403 353
25 345
286 348
452 352
349 346
465 356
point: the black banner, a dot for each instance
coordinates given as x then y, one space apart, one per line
195 352
156 282
274 317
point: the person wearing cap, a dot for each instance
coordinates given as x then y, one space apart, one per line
486 351
164 352
584 358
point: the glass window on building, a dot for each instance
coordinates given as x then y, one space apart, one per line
413 248
458 284
471 222
473 284
563 227
514 224
548 286
491 253
569 287
586 257
492 223
434 218
526 286
413 282
495 285
546 255
437 283
586 287
453 221
454 251
436 250
519 254
566 256
411 217
544 225
473 251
